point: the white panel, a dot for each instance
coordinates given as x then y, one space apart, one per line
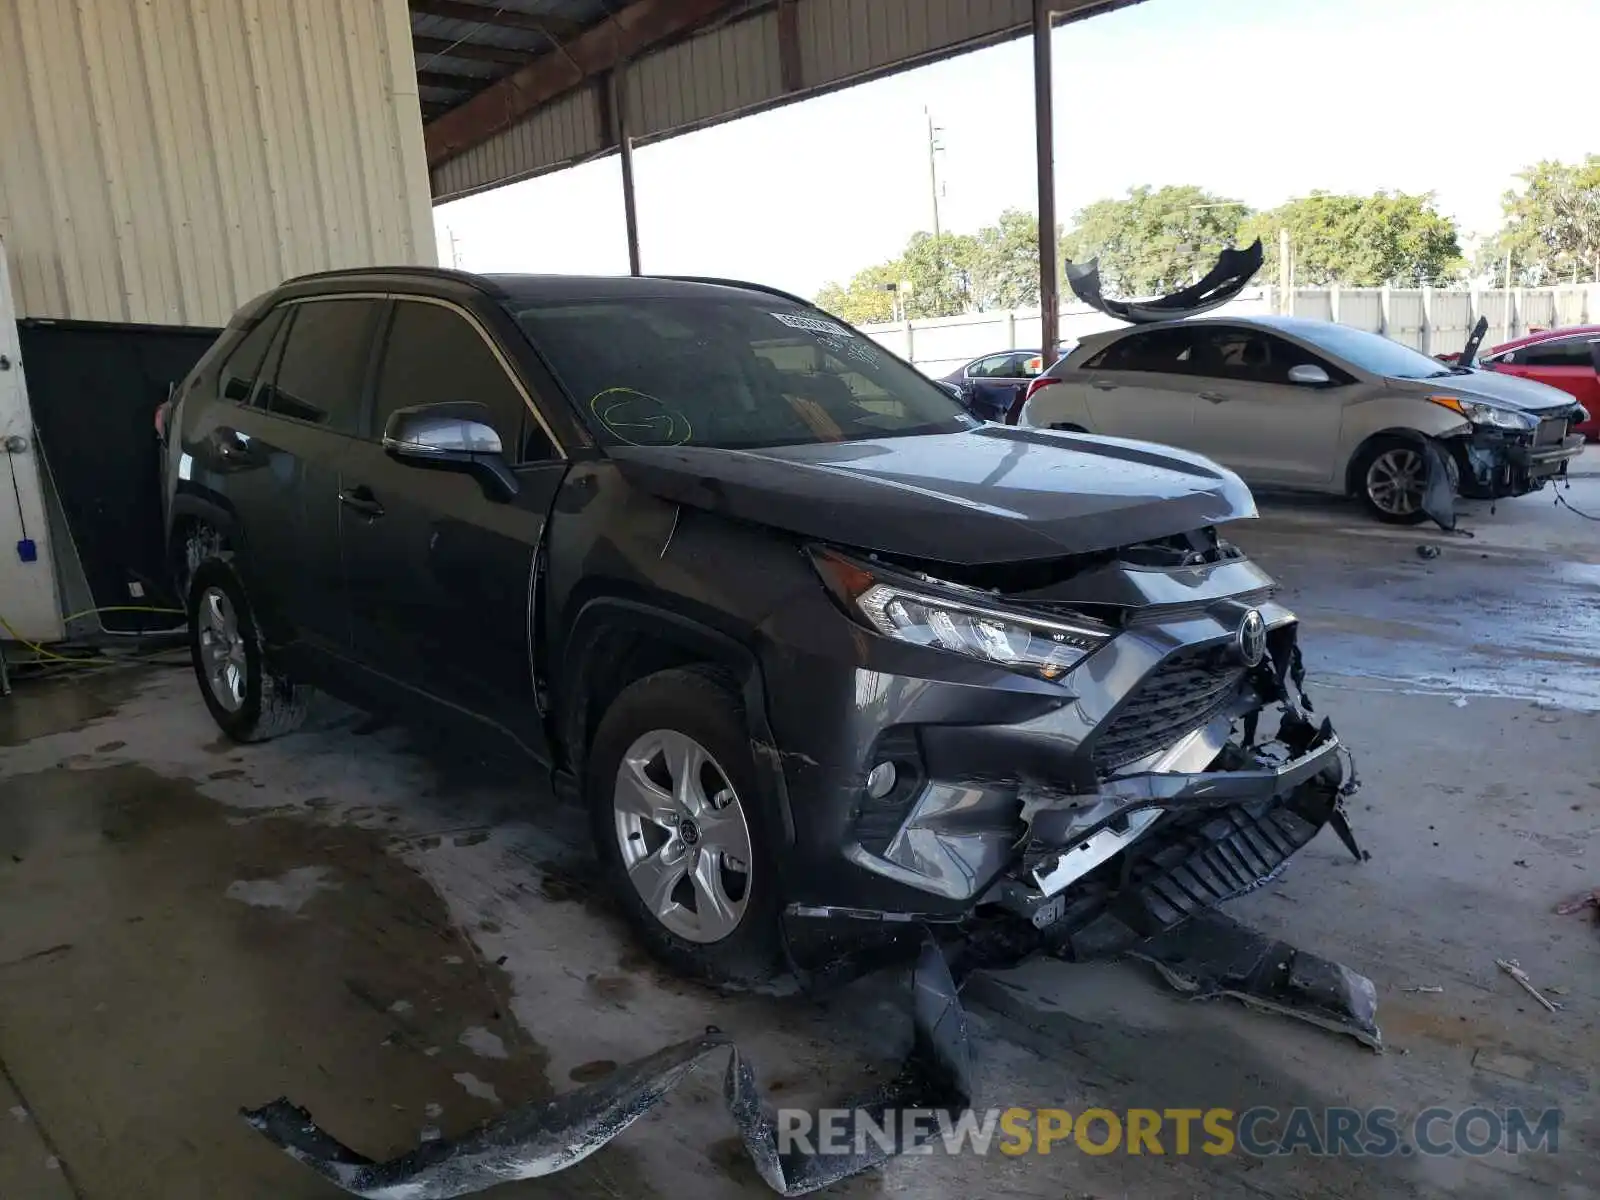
165 160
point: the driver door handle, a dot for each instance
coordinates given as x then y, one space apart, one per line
362 500
1103 385
1214 397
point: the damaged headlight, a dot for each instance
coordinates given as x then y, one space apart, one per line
1487 414
1044 647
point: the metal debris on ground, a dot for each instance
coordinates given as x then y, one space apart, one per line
1425 989
1510 967
1427 550
1588 899
1211 955
546 1136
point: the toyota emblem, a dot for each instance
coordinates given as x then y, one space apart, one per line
1252 638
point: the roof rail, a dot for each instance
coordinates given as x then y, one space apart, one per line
466 277
738 283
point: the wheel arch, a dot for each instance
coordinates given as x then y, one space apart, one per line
1063 403
614 642
1352 485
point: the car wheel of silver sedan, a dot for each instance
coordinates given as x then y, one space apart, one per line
1396 479
682 834
1391 478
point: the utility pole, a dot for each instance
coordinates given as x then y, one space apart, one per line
1045 161
1505 325
933 170
1285 274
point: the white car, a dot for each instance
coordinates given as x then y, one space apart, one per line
1287 402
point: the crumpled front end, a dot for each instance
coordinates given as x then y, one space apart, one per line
1176 765
1211 817
1491 463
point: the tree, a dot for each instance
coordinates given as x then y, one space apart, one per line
940 271
865 300
1153 240
1552 224
1006 270
1360 241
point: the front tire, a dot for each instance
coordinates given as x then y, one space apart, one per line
670 782
248 701
1391 478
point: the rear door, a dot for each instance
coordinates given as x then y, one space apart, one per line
1140 386
1250 418
294 391
440 576
992 383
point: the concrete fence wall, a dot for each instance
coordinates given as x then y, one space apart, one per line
1432 320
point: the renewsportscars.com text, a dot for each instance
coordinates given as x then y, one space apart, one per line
1258 1132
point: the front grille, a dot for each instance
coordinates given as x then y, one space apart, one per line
1551 432
1182 694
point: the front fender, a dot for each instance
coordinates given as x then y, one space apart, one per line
1402 415
606 617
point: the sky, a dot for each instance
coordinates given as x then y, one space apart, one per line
1257 100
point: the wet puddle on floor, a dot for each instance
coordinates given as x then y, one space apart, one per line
172 965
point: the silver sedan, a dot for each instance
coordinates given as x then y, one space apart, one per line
1287 402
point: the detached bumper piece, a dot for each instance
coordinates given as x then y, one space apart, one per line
547 1136
1213 955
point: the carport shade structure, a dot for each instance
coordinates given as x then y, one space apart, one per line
511 89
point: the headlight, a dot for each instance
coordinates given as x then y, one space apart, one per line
1486 414
1043 647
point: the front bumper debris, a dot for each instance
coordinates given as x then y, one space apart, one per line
1214 955
1493 464
543 1137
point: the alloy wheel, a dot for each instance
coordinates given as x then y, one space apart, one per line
222 650
1395 481
683 836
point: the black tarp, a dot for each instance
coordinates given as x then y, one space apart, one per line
94 388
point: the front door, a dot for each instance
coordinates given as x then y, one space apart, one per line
1250 418
441 576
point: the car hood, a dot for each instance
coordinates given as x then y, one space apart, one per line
1507 391
989 495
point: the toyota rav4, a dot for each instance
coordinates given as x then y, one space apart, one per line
819 650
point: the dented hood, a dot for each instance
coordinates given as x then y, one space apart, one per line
1234 269
989 495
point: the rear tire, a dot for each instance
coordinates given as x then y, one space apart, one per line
247 699
1390 477
706 917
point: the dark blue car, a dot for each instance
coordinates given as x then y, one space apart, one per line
992 386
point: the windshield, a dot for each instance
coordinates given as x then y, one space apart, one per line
734 373
1371 352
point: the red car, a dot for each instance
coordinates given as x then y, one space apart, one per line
1568 359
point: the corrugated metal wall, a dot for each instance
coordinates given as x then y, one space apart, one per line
738 68
164 160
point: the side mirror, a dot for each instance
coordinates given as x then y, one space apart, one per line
1309 375
451 437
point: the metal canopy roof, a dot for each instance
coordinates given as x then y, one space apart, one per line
511 89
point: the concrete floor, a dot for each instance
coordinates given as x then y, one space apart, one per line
401 942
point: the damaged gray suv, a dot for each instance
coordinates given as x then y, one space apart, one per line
824 656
